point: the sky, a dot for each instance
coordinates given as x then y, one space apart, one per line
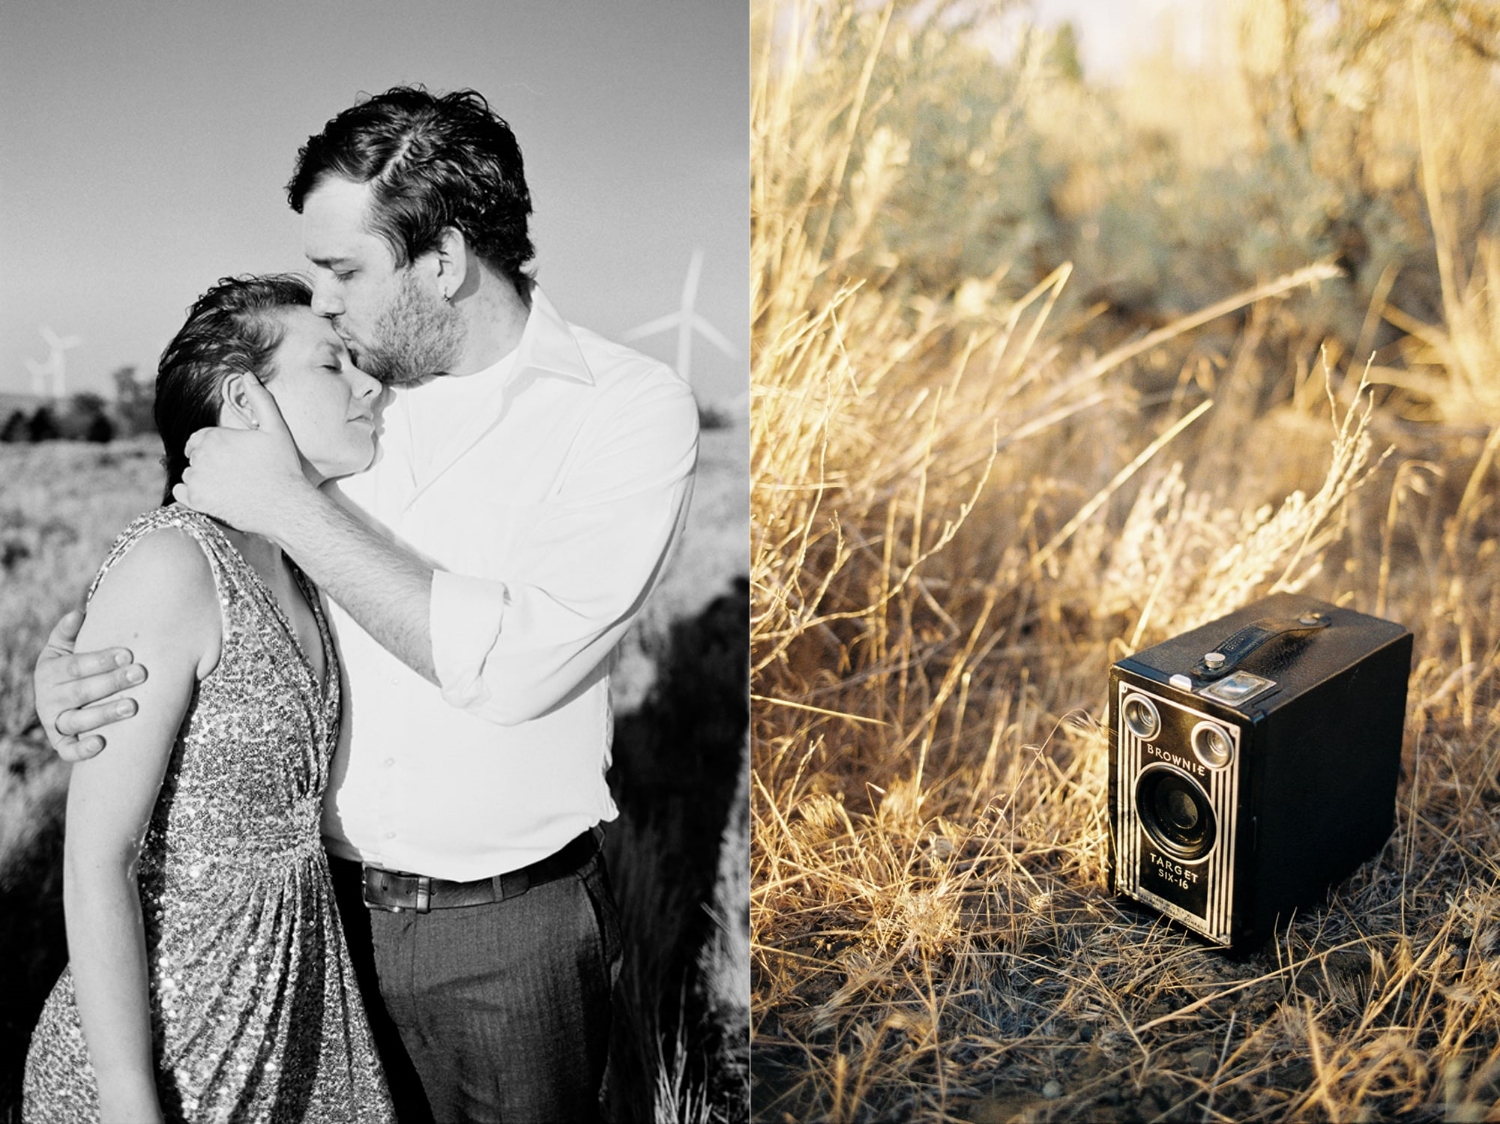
1111 32
144 148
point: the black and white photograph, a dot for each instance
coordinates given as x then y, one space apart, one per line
374 438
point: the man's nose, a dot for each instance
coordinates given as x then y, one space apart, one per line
326 303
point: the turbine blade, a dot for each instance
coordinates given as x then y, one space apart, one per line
651 327
690 285
715 337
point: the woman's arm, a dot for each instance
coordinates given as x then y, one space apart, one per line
73 690
158 600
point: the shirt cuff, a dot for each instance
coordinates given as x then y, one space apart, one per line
466 615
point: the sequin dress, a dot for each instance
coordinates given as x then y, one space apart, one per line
255 1009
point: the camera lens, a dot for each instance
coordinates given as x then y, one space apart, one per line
1176 809
1211 744
1175 812
1140 715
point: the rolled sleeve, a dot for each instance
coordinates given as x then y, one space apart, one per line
508 650
467 614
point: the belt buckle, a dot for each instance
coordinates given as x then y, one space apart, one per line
387 881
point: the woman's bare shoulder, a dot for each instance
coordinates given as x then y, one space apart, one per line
159 590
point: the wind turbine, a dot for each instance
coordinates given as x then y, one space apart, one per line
686 321
54 369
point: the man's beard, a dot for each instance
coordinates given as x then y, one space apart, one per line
415 336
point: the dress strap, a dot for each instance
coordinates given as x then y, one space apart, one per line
247 607
223 560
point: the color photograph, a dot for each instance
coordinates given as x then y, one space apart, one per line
1124 636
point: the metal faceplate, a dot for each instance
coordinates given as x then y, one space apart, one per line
1198 893
1237 688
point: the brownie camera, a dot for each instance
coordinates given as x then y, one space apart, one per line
1253 763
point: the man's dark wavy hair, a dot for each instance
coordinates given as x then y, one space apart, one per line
433 162
231 329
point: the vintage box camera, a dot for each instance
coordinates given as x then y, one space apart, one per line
1253 763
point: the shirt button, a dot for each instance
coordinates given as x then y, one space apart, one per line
390 835
389 761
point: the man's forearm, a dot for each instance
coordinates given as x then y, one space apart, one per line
388 591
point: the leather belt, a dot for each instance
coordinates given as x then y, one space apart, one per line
396 890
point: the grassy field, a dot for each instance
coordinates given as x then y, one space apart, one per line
677 853
1046 372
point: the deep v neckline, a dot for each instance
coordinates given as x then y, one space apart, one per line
321 689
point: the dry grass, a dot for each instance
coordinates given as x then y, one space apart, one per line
966 503
61 505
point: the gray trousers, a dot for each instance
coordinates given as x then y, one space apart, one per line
495 1012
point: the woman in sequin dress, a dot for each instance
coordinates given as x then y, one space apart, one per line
208 978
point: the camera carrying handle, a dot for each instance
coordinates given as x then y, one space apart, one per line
1232 652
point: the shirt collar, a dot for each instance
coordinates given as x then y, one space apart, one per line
548 344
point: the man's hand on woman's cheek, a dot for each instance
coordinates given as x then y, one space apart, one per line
244 477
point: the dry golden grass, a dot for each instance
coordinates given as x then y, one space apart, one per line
962 513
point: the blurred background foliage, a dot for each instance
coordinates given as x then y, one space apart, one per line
1300 136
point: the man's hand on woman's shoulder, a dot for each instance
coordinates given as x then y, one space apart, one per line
74 690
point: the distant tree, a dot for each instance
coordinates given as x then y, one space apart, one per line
1064 53
101 430
711 417
42 426
134 401
15 430
82 419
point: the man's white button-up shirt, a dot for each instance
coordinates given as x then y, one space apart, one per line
546 492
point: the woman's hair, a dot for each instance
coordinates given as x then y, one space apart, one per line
432 162
232 329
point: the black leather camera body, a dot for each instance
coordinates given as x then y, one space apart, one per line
1253 763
